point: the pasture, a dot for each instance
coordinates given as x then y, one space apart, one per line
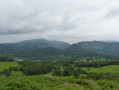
6 65
105 69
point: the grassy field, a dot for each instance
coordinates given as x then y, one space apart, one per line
6 65
105 69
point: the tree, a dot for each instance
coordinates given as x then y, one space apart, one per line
6 72
67 72
76 74
57 71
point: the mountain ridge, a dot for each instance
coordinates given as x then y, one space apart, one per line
85 49
38 43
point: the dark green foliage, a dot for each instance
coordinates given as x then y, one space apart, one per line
6 72
79 70
35 68
57 71
67 72
13 69
96 63
6 59
75 73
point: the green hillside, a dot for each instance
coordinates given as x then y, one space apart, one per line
47 50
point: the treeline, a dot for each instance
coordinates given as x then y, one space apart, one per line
76 72
68 71
86 63
6 59
37 68
63 68
96 63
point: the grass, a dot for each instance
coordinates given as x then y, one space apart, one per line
105 69
6 65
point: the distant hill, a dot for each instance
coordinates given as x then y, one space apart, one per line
96 46
45 49
37 43
98 49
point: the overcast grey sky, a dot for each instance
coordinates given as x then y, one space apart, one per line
64 20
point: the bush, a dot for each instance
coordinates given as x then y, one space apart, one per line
7 72
67 72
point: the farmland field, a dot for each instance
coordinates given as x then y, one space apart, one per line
105 69
6 65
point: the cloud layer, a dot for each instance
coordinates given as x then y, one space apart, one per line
65 20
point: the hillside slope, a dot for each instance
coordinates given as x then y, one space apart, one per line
94 49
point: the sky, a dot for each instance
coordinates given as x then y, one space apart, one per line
64 20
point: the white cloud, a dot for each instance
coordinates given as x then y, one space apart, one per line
66 20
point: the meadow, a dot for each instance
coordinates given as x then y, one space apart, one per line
6 65
105 69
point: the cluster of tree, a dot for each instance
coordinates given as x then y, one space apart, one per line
64 68
97 63
7 72
68 71
85 63
35 68
6 59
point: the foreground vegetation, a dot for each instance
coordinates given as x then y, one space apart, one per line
60 75
46 82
